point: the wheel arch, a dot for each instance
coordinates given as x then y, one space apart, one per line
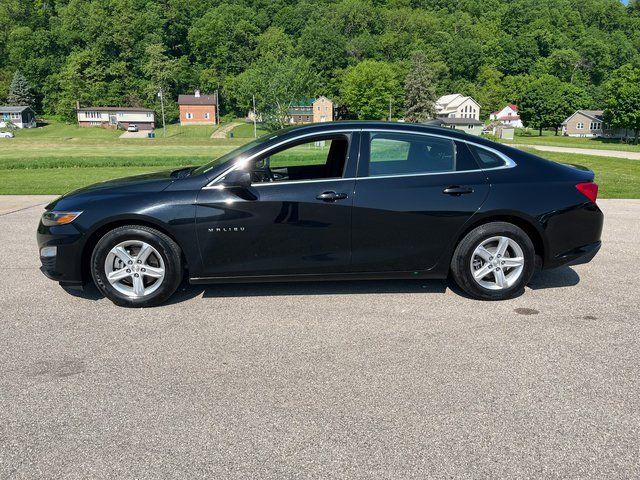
109 225
527 225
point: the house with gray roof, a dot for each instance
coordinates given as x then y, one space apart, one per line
590 123
21 117
471 126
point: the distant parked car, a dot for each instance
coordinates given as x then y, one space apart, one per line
132 127
6 135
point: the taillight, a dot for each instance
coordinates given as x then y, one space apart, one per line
589 190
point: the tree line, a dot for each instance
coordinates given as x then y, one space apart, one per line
369 56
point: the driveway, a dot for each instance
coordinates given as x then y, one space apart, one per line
138 134
222 132
386 379
582 151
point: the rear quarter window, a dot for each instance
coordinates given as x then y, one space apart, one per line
486 158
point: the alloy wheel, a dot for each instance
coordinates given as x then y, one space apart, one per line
134 268
497 263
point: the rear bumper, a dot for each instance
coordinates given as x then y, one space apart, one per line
578 256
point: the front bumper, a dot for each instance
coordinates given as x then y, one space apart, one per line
66 265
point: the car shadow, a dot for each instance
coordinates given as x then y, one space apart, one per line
557 278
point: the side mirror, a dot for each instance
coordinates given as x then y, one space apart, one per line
237 178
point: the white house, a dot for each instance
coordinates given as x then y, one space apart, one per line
116 117
21 117
457 106
507 116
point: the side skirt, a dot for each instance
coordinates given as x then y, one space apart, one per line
321 277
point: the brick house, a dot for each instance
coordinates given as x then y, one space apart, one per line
116 117
198 109
590 123
311 110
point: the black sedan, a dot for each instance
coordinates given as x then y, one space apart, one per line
331 201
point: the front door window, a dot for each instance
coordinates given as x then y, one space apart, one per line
316 159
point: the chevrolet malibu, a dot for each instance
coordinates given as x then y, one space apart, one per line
331 201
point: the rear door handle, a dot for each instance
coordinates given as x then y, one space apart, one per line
331 196
457 190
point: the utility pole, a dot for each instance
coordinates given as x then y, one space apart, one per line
255 128
164 127
217 119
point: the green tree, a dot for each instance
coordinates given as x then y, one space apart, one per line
225 38
274 44
369 87
20 91
276 86
420 89
622 99
548 101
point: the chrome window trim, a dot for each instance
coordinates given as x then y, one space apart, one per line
509 163
311 180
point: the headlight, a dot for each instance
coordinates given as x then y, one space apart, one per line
52 218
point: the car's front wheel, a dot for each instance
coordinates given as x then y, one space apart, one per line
136 266
494 261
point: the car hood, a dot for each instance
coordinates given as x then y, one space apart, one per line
148 182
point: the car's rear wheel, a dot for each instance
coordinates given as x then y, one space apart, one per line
136 266
494 261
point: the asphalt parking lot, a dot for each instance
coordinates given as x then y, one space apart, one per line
392 379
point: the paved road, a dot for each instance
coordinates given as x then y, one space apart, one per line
582 151
397 379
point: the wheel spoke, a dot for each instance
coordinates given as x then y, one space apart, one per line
502 246
144 252
512 262
118 275
138 286
482 272
501 281
153 271
483 253
122 254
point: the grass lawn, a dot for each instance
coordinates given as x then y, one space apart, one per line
549 138
246 131
616 177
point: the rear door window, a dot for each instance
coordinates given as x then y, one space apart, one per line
405 154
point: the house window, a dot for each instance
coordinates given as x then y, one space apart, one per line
189 115
579 126
206 116
595 126
15 116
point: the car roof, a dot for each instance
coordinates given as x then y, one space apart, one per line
371 125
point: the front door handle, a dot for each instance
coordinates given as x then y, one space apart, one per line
457 190
331 196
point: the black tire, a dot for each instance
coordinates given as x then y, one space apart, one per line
168 249
461 261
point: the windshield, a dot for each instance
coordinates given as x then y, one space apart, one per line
232 154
